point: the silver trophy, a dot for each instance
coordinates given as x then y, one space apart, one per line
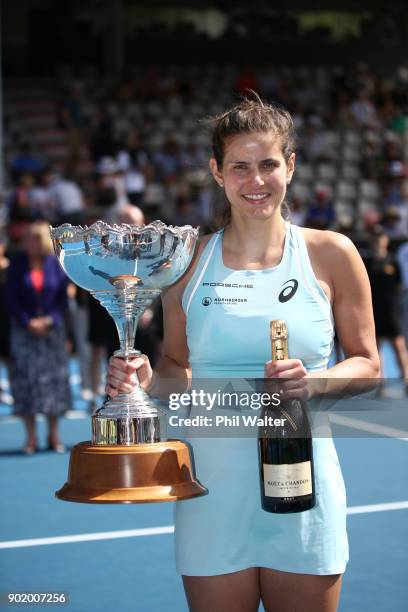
126 267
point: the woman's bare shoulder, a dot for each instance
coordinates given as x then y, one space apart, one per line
335 260
328 243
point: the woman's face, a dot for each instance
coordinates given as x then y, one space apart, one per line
33 245
254 174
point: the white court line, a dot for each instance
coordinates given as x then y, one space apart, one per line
134 533
378 507
72 415
89 537
375 428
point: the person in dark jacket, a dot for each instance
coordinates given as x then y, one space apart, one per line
386 289
36 299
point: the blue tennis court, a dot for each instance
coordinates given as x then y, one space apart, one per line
121 557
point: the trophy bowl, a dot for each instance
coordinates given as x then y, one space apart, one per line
126 267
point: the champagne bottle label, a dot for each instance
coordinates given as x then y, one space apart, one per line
288 479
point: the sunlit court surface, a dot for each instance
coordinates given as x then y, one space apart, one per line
121 556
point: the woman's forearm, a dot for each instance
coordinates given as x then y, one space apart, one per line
353 375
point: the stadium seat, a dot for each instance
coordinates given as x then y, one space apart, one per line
369 190
327 172
346 190
304 172
350 172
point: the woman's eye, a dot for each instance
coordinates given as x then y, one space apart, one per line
269 165
240 167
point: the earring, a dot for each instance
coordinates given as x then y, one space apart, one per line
221 185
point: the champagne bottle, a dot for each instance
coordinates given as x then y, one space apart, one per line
285 452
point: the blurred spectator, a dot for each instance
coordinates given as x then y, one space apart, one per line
298 212
321 213
194 157
26 161
246 80
372 159
394 190
186 212
130 214
4 317
402 259
313 143
67 199
110 188
78 300
20 210
268 82
41 197
36 298
371 218
363 111
386 285
72 120
133 162
393 223
101 137
168 161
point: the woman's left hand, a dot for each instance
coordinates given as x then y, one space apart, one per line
39 326
290 378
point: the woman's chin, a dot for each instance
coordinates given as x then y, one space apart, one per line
265 211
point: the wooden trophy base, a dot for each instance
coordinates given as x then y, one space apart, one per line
134 474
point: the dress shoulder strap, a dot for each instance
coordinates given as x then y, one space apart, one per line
305 270
199 272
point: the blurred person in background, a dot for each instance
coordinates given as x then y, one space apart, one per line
246 79
25 161
4 318
313 143
19 207
36 299
394 222
402 258
110 194
386 289
71 119
101 136
187 211
363 111
41 197
133 163
66 197
298 212
168 161
321 214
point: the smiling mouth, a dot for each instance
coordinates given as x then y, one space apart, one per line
256 198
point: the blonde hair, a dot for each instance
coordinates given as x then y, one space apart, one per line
41 230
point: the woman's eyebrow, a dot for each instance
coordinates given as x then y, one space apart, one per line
269 159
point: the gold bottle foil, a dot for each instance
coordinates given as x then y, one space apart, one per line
279 340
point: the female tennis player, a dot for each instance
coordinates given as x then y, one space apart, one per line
230 553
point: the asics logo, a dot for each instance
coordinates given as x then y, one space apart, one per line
288 291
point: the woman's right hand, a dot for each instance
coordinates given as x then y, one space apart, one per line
122 376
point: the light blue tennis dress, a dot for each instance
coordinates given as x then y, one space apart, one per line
228 332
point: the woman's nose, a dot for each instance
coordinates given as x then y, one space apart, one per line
257 178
